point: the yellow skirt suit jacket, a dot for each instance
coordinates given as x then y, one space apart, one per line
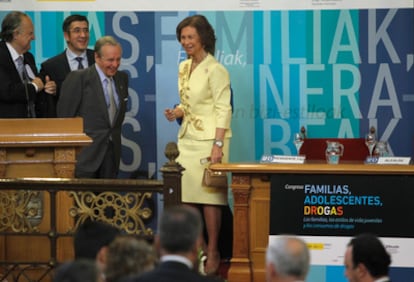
205 101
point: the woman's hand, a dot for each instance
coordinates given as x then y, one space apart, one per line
173 114
216 154
169 114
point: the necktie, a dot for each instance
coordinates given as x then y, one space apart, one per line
20 67
25 78
112 104
80 65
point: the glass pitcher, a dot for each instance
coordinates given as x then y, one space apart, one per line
381 149
334 150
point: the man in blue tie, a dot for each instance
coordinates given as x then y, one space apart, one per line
99 95
76 56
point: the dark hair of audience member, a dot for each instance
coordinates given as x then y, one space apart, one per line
81 270
179 229
91 236
369 250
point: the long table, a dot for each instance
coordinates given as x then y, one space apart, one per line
250 184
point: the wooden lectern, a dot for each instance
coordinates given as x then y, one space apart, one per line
39 148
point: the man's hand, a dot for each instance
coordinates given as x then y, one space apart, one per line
50 86
39 83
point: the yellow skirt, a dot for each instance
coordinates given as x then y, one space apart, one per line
191 151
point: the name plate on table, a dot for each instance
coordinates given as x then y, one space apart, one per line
281 159
394 160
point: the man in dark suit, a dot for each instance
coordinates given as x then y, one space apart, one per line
366 260
99 95
76 56
179 240
19 80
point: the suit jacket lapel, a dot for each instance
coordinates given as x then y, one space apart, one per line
91 57
119 90
28 62
66 67
119 87
11 63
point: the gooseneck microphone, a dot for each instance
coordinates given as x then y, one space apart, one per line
30 105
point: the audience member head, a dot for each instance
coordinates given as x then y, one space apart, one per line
366 259
76 33
17 29
92 239
82 270
129 256
180 230
204 30
108 54
287 259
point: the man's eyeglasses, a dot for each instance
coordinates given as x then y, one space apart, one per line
79 30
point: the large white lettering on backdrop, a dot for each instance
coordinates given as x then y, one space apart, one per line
316 114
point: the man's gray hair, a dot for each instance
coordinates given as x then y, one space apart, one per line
10 24
290 256
105 40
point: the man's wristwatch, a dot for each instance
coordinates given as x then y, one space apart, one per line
218 143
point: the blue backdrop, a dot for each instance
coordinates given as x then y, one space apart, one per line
336 72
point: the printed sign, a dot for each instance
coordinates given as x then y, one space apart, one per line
342 205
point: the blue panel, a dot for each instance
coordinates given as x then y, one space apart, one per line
403 274
135 31
335 273
317 273
387 90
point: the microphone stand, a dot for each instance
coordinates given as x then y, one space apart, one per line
26 89
35 202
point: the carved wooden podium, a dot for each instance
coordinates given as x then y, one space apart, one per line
37 148
40 147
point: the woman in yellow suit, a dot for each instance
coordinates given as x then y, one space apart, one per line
205 110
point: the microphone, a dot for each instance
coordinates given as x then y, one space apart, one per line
30 106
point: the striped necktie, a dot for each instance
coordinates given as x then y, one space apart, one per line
31 113
112 103
20 67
